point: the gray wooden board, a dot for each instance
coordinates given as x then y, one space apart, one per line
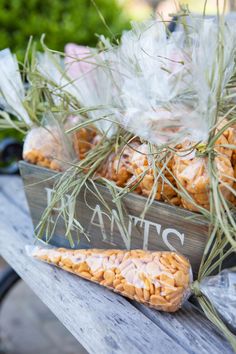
165 227
103 322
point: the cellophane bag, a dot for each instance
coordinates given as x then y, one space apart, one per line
82 139
95 88
12 88
48 146
192 173
220 289
158 279
161 280
118 167
142 164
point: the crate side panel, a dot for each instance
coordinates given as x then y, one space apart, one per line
164 227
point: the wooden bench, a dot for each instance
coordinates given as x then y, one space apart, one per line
103 322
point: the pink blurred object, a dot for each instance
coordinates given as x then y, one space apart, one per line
75 67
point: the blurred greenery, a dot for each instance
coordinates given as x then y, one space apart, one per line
11 133
62 21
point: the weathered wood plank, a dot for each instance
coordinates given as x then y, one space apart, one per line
102 321
193 330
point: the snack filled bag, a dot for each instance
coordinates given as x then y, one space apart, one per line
82 139
161 280
48 146
118 167
158 279
192 174
173 96
142 164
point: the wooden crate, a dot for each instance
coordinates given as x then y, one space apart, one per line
165 227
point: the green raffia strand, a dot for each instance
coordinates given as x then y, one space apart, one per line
221 242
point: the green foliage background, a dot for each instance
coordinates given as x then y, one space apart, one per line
62 21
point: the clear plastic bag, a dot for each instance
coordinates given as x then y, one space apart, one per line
192 173
118 166
78 60
48 146
12 90
95 88
158 279
162 280
142 167
83 139
221 291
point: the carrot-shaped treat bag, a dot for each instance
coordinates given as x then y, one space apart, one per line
158 279
161 280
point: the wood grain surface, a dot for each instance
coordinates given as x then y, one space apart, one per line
102 321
